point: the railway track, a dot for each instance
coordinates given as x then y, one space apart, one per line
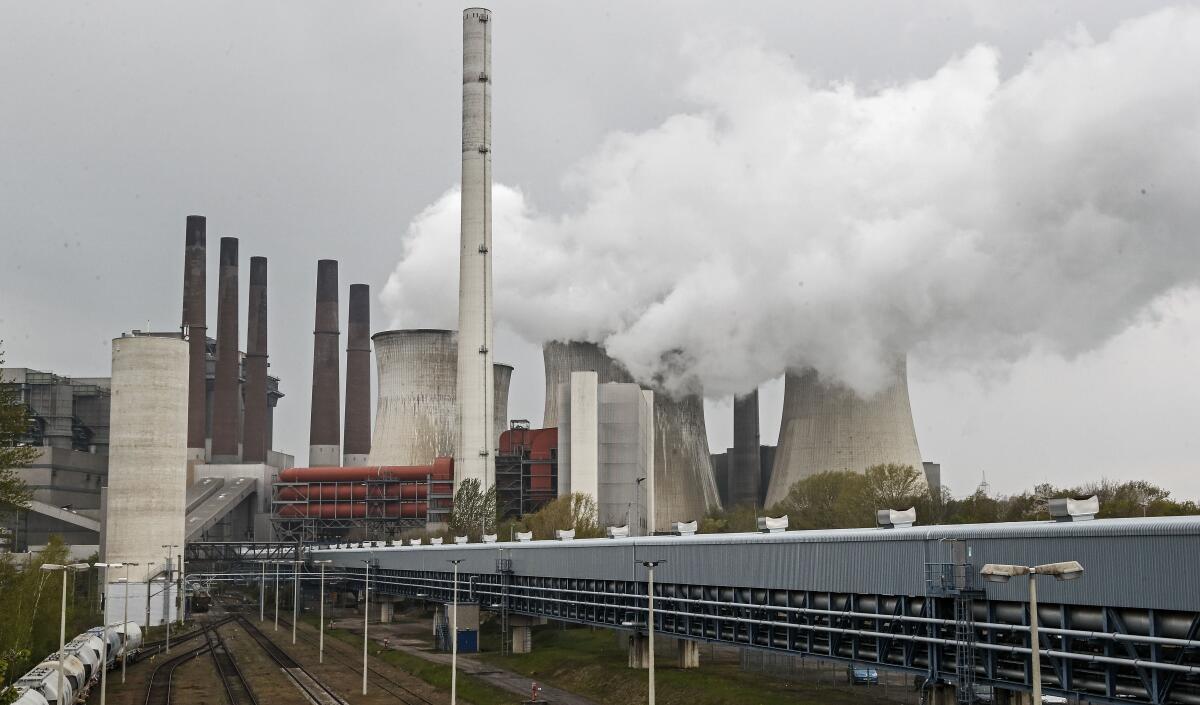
237 688
316 691
386 683
158 691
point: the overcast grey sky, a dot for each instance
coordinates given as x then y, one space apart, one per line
323 130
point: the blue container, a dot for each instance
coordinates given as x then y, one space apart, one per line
468 641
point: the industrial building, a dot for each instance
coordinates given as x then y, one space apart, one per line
526 469
827 426
684 486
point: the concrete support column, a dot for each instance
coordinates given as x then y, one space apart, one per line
941 694
1020 697
689 653
639 651
522 639
387 611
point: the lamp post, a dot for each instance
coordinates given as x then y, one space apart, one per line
366 615
170 548
454 637
276 595
62 624
262 595
295 597
125 622
1000 573
650 565
104 631
321 619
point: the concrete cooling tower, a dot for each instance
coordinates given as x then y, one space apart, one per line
501 377
685 488
415 415
826 426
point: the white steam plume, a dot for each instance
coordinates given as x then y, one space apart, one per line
783 224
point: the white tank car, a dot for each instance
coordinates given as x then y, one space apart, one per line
131 635
112 637
81 647
73 669
25 696
44 680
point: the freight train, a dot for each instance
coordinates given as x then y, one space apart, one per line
81 660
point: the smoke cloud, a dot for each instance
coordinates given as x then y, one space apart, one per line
966 217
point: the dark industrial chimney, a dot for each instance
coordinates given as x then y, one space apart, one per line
195 326
324 436
745 461
356 438
225 389
254 429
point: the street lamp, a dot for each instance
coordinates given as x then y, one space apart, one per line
125 622
104 630
454 637
62 624
170 548
1000 573
650 565
366 616
295 596
262 595
321 647
276 595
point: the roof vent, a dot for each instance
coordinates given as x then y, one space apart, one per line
524 536
895 518
1067 509
683 528
436 541
772 525
618 532
564 534
464 539
414 542
487 538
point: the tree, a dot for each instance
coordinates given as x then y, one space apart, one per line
474 511
575 511
14 423
895 486
828 500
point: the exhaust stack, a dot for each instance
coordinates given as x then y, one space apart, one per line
357 429
226 399
474 456
254 428
324 436
195 326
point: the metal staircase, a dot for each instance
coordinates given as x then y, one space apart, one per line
956 580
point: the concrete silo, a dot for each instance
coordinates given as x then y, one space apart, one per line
827 426
147 461
685 488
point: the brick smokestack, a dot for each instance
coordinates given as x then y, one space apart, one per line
225 388
324 435
745 460
254 429
356 437
195 326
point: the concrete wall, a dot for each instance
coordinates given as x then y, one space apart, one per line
584 434
826 426
147 460
474 456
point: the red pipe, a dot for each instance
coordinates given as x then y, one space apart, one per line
347 510
441 469
347 491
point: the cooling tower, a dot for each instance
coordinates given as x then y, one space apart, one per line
745 458
226 387
502 377
254 421
324 429
356 435
474 455
826 426
195 326
685 488
415 411
147 457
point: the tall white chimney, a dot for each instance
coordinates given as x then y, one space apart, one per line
474 454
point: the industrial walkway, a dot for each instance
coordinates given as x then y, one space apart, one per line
905 598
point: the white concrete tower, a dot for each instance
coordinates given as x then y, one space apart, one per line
474 457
